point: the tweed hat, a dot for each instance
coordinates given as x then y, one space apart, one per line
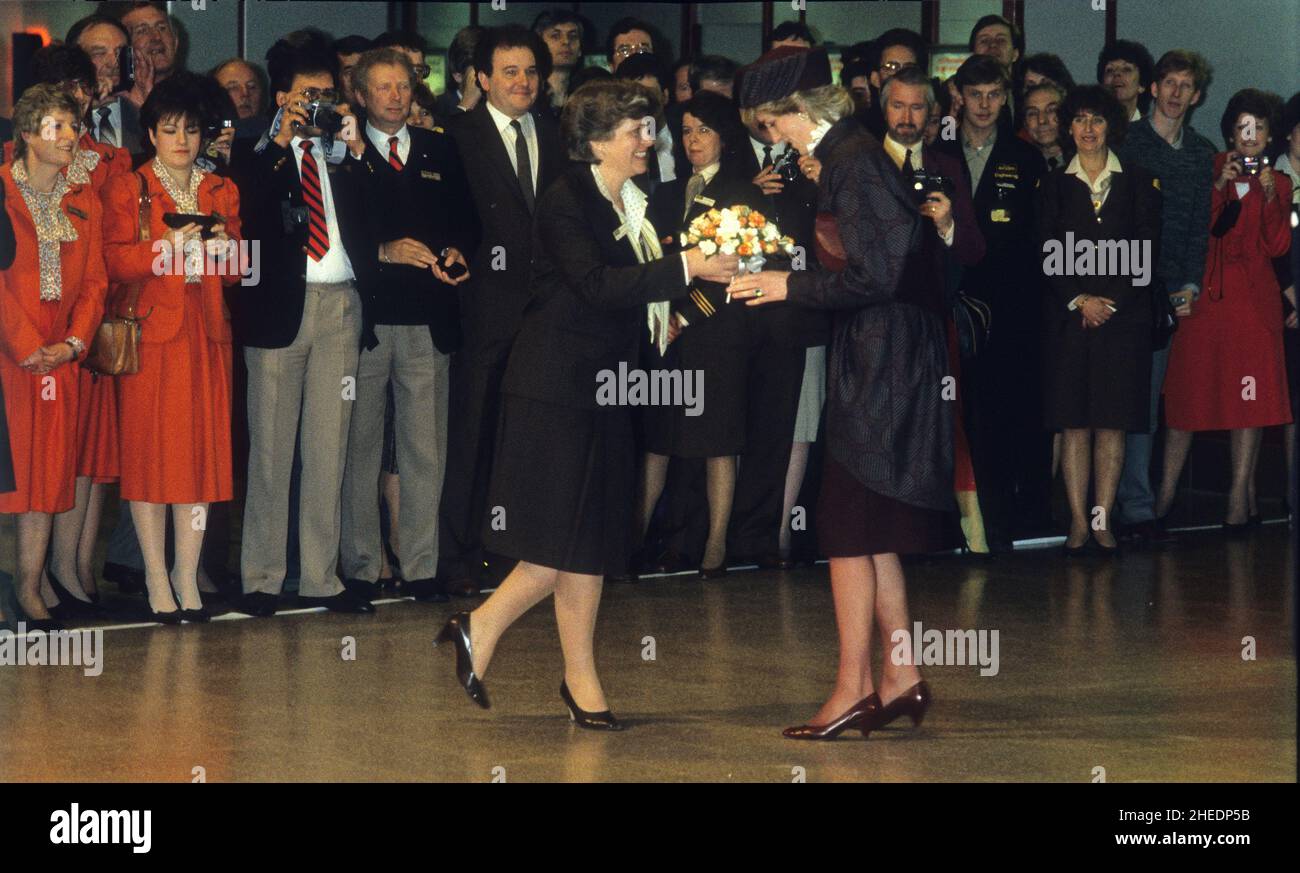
780 73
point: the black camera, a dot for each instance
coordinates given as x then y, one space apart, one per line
125 69
925 183
215 128
1252 166
323 115
787 166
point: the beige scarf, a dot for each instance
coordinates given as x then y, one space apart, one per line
53 226
186 201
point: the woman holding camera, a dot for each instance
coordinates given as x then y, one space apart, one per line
1227 369
887 484
1098 328
175 412
52 297
565 467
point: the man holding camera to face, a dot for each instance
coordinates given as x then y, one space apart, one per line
300 323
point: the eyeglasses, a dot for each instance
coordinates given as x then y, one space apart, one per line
892 67
627 50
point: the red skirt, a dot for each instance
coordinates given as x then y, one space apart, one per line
174 418
97 449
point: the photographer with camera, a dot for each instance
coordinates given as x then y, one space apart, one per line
300 322
1233 333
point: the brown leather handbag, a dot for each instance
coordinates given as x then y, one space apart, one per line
115 350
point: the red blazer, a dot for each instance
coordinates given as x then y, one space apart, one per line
129 260
85 285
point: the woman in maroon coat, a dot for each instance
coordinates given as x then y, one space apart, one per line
1227 368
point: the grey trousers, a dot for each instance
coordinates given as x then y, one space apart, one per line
312 379
420 377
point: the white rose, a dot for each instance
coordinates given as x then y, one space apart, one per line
709 247
728 247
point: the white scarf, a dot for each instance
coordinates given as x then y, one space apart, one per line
644 240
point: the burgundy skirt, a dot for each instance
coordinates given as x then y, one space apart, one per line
853 520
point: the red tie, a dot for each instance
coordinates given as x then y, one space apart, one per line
393 160
318 236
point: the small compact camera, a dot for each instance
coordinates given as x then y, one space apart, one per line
788 166
214 128
323 117
1252 166
925 183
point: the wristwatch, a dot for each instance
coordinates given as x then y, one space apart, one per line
77 346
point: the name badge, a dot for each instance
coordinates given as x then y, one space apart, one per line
430 174
1000 216
704 201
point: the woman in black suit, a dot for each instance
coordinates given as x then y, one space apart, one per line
562 479
716 344
1098 328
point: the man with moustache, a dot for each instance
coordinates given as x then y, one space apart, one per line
114 120
1010 448
510 155
415 193
562 32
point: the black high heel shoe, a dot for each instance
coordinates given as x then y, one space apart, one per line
861 716
912 702
592 721
173 617
69 605
198 616
456 632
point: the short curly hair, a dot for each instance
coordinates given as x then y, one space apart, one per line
1095 99
1252 101
38 103
596 109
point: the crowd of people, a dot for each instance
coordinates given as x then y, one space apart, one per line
386 313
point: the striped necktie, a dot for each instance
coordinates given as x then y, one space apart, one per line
394 160
318 235
107 133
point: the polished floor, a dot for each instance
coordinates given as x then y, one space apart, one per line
1133 665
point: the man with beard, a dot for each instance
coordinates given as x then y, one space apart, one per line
510 154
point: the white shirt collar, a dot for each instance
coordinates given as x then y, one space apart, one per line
818 132
710 171
502 121
380 139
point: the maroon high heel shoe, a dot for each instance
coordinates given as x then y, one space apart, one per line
862 716
914 702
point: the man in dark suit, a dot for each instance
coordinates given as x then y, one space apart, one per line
779 337
510 154
462 93
420 206
300 326
113 119
1010 448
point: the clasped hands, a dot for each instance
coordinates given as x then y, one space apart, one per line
46 358
414 253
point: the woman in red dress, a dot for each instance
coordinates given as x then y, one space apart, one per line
1227 370
70 575
51 303
174 414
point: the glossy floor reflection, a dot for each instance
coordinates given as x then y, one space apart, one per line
1132 665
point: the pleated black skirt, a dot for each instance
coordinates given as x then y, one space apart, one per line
563 486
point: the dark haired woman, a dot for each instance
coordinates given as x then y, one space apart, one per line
564 468
716 346
1227 368
175 412
52 300
1098 328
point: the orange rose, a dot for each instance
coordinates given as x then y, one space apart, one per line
756 219
744 249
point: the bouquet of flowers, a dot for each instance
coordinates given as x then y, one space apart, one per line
738 230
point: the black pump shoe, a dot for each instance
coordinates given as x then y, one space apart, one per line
592 721
456 632
69 605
